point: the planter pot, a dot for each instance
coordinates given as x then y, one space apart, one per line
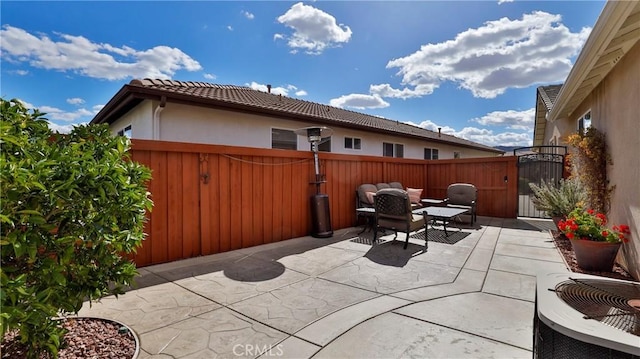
595 256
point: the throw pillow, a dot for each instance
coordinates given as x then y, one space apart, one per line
370 196
414 194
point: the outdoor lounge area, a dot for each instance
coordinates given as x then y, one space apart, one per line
470 294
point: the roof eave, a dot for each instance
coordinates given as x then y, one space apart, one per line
605 29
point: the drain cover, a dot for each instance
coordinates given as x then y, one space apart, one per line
611 302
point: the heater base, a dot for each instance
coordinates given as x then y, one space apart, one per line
320 216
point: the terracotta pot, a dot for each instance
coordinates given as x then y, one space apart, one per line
595 256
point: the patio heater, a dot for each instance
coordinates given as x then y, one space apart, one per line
320 217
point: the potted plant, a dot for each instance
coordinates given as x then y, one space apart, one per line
557 201
594 244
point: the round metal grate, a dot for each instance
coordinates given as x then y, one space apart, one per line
610 302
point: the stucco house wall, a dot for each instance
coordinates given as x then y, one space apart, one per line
615 111
194 124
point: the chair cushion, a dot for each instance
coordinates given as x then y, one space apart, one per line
461 194
414 194
362 193
383 186
397 185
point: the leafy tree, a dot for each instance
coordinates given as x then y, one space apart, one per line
73 208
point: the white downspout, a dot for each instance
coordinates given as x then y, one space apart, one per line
155 124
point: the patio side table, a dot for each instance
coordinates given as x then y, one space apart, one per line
369 215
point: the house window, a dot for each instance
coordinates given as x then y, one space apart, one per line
125 132
430 153
584 122
323 146
352 143
456 154
392 150
284 139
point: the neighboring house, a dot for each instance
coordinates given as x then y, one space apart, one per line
603 90
197 112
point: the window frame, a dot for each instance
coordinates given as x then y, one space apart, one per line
125 131
356 143
295 142
431 153
322 146
397 149
580 123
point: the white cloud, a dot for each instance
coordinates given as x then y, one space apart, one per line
54 113
19 72
500 2
313 30
359 101
284 91
210 76
499 55
81 56
229 27
75 101
482 135
61 128
278 37
516 120
248 15
385 90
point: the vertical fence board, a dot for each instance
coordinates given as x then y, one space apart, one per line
190 215
278 173
286 200
143 254
175 189
235 199
245 197
159 251
267 200
224 205
207 181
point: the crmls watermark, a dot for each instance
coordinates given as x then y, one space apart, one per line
256 350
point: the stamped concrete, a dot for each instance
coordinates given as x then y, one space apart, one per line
344 297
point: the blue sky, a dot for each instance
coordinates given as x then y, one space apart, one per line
469 67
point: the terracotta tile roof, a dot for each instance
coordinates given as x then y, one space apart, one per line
248 99
549 94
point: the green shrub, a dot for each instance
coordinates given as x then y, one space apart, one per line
557 201
73 208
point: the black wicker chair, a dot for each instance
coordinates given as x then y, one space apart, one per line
393 211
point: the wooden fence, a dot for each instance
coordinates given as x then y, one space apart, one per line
211 198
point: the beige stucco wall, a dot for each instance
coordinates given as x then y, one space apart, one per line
183 123
615 110
139 118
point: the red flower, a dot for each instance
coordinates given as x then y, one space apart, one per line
589 225
602 218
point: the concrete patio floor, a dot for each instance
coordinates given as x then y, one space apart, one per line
341 297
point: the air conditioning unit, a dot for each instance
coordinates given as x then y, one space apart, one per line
586 316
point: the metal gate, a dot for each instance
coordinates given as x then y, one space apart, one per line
535 164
